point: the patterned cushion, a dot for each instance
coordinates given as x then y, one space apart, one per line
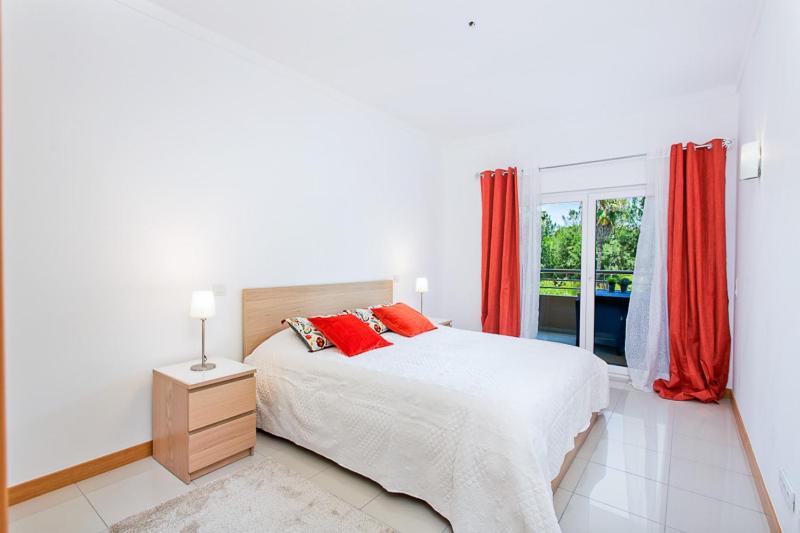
308 333
370 319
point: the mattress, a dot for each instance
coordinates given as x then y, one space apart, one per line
477 425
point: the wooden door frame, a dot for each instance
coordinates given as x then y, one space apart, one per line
3 474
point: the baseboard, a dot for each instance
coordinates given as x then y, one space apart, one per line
73 474
761 487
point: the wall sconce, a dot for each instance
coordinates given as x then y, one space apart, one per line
750 161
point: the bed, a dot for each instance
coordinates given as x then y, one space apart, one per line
482 427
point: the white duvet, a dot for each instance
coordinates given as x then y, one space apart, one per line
475 424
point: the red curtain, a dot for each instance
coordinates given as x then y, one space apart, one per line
500 296
697 285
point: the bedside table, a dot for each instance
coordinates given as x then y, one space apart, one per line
203 420
442 321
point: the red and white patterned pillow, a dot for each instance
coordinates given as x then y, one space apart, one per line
309 333
369 318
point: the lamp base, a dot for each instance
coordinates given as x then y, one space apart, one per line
203 366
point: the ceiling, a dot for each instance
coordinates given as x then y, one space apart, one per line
523 61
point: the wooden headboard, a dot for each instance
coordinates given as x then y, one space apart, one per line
263 309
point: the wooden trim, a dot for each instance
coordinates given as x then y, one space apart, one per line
580 438
3 435
264 309
62 478
761 487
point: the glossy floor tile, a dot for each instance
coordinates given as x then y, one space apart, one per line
729 457
632 459
560 500
597 434
693 513
648 465
646 407
405 514
304 462
574 473
131 489
633 430
658 465
588 516
65 510
714 424
627 492
726 485
348 486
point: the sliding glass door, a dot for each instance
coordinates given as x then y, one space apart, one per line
616 225
561 276
588 253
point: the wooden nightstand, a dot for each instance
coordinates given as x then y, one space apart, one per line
203 420
442 321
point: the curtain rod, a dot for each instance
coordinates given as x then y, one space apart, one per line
618 158
520 171
726 143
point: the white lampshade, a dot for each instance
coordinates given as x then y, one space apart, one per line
202 305
422 285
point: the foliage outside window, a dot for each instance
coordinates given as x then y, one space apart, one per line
617 233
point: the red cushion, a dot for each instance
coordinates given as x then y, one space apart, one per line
403 319
349 333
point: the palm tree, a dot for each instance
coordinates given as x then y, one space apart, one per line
609 213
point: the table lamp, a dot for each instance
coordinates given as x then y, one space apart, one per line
422 288
203 307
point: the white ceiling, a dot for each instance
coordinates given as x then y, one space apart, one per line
523 61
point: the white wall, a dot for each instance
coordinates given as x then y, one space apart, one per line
697 118
767 337
145 158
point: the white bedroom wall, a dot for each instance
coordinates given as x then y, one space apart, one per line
767 336
698 117
145 158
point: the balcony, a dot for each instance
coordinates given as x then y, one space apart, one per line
559 309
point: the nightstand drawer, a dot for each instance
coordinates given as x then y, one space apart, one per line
219 402
210 445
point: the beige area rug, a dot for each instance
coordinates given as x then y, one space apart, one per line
264 497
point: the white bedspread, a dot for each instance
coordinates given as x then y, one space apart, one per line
475 424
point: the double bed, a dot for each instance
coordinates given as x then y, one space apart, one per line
479 426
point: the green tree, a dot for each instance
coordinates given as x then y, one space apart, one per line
618 222
617 232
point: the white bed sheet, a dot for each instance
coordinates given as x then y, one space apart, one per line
475 424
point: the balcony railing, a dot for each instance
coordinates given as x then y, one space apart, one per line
567 281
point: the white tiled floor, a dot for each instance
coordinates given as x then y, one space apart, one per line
94 504
649 465
656 465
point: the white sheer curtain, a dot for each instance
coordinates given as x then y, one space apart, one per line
529 186
647 330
